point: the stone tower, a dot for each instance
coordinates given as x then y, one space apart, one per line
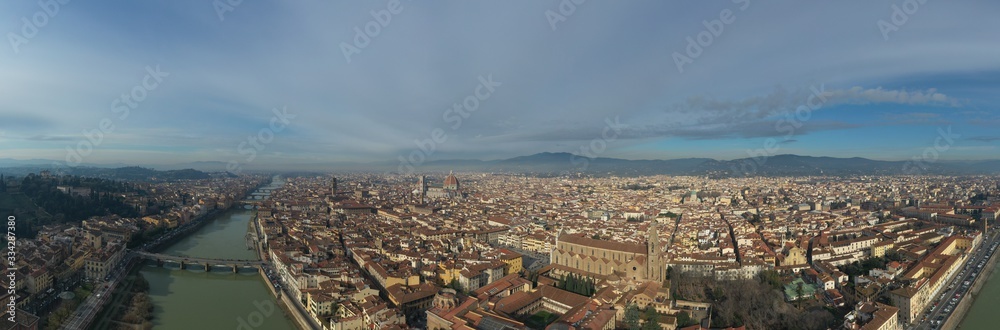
654 262
422 188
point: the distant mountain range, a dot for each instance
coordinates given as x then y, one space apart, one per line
128 173
778 165
548 163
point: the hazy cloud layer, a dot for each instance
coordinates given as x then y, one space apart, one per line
558 87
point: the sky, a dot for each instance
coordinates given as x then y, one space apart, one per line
155 82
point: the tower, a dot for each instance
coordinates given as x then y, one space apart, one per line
553 259
422 188
654 264
334 186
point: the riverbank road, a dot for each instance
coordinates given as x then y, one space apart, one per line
298 311
943 305
92 305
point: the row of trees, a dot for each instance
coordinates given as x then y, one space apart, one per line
138 311
66 308
145 236
104 198
577 284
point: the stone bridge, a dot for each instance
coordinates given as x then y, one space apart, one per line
207 263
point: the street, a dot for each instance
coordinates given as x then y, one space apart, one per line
85 313
944 303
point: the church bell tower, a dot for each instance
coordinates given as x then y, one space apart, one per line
654 264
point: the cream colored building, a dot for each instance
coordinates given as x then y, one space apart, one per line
591 257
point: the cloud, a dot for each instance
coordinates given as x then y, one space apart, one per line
608 59
707 118
984 138
916 118
782 100
50 138
860 95
701 117
24 122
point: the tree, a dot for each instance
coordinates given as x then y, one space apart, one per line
652 319
799 292
140 284
632 317
577 284
771 278
683 320
893 255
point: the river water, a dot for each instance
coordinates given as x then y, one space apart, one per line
983 313
194 299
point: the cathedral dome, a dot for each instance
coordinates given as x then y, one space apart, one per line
451 182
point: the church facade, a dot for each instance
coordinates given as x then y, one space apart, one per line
606 259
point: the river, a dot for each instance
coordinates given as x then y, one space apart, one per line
194 299
982 314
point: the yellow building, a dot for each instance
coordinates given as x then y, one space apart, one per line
513 260
39 281
154 221
387 279
448 271
929 275
880 248
795 257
